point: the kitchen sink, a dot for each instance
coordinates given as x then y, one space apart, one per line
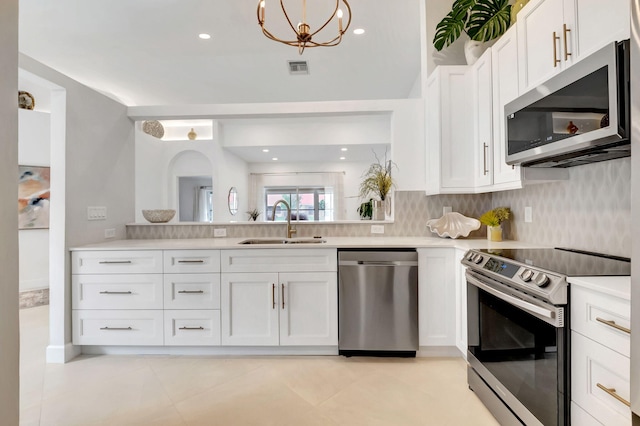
283 241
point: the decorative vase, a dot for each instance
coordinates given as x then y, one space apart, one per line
192 135
473 50
494 233
517 7
379 209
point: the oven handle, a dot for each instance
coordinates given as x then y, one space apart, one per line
529 307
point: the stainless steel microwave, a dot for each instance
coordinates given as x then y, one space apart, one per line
579 116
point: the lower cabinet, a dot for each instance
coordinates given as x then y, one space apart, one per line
192 327
135 327
286 309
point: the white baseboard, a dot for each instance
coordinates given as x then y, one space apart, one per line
57 354
211 350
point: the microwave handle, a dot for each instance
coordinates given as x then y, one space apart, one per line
529 307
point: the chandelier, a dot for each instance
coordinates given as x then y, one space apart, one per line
304 36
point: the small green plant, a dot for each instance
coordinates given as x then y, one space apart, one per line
377 179
253 214
366 209
496 216
481 20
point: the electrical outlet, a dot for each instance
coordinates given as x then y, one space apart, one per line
110 233
528 214
96 213
220 232
446 209
377 229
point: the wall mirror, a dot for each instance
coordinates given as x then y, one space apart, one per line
233 200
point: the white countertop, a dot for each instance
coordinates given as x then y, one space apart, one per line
614 286
331 242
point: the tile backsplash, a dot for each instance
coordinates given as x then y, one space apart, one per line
590 211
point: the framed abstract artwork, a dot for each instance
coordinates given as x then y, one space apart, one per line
33 197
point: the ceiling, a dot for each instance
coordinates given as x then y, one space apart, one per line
147 52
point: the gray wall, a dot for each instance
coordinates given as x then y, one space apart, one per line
9 328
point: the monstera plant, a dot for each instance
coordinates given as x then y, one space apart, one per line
481 20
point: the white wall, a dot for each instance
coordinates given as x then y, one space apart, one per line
9 328
92 164
34 140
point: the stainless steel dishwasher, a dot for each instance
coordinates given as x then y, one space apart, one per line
378 302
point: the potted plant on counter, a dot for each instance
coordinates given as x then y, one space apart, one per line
378 182
493 219
253 214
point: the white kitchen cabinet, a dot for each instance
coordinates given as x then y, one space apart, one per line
436 297
286 309
554 34
117 327
449 146
600 349
192 291
461 303
192 327
504 67
481 111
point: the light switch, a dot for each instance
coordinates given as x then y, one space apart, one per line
377 229
96 213
528 214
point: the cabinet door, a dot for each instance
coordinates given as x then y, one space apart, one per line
433 133
504 67
436 297
456 144
308 309
482 125
595 23
540 37
249 309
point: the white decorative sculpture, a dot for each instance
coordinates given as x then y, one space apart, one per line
453 225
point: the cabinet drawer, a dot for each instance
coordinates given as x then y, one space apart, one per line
118 327
117 262
181 261
592 313
136 291
581 417
593 364
192 291
279 260
192 328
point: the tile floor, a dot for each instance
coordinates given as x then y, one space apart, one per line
177 390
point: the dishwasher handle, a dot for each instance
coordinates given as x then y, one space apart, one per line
378 263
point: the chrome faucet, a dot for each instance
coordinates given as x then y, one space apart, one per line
290 231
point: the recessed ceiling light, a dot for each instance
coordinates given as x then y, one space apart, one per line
343 158
275 158
265 150
358 31
204 36
344 149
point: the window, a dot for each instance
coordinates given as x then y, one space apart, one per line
307 203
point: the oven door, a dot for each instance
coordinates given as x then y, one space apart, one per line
518 345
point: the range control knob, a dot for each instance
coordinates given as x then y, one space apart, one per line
470 256
541 280
477 259
526 275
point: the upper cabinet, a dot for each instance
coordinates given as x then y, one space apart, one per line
481 112
553 34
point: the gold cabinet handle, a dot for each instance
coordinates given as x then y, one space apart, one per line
612 392
282 296
566 30
556 61
485 148
613 324
273 296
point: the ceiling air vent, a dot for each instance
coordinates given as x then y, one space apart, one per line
298 67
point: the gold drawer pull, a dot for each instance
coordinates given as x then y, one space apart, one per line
191 261
115 262
613 324
191 328
116 292
190 291
566 30
116 328
612 392
556 61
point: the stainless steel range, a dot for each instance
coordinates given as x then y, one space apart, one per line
518 333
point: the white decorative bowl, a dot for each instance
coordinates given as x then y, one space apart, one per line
158 216
453 225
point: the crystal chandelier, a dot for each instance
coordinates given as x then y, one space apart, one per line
304 36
